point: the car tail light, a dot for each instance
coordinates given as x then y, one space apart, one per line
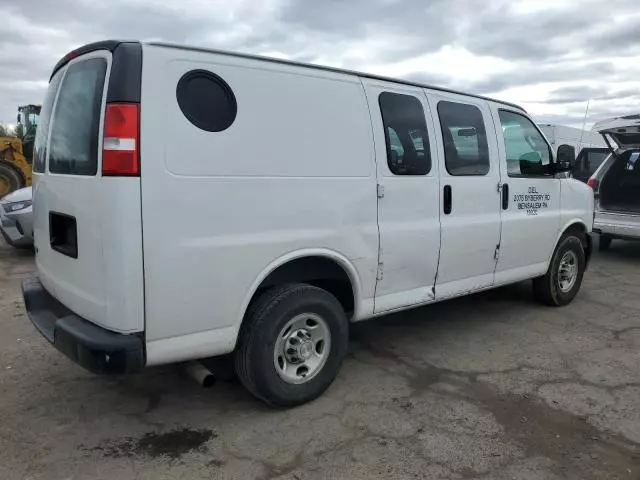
121 140
593 183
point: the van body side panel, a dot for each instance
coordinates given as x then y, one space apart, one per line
576 204
295 170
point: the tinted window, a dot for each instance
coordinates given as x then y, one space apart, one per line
40 145
528 154
76 120
405 132
588 162
206 100
465 139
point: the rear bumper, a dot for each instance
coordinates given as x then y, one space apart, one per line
617 226
17 229
93 347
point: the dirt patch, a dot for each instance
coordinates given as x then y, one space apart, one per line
172 444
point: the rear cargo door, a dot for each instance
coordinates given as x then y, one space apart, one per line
621 133
87 227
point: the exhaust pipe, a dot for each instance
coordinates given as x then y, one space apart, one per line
200 374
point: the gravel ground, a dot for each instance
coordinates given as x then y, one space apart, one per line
491 386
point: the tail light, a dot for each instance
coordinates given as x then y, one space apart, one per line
120 145
593 183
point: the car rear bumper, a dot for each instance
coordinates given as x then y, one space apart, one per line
17 230
617 225
93 347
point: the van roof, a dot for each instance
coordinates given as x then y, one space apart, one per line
328 69
112 44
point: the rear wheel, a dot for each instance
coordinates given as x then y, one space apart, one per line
10 179
562 281
604 243
292 344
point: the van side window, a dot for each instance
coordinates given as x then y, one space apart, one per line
206 100
528 153
76 120
405 132
466 151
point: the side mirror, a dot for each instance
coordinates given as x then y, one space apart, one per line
566 158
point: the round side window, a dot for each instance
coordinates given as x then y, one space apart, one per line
206 100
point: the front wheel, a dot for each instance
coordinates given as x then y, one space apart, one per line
563 279
292 344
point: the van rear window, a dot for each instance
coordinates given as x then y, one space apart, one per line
42 133
76 121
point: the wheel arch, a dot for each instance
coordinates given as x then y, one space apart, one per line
578 226
286 266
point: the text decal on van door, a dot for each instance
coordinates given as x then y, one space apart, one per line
532 201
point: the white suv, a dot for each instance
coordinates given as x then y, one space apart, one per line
616 183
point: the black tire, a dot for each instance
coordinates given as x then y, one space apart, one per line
266 317
11 176
547 288
604 243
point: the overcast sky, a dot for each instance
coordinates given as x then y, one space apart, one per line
548 55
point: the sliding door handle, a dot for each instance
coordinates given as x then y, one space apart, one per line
447 199
505 196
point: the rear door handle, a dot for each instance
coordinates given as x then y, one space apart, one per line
505 196
447 199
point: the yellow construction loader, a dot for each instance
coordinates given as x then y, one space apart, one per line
16 152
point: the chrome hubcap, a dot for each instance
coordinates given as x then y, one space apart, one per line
302 348
568 271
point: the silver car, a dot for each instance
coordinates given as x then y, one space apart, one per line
616 182
16 218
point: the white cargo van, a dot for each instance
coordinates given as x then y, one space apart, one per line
192 203
576 137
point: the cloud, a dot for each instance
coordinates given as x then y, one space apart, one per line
578 94
549 57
